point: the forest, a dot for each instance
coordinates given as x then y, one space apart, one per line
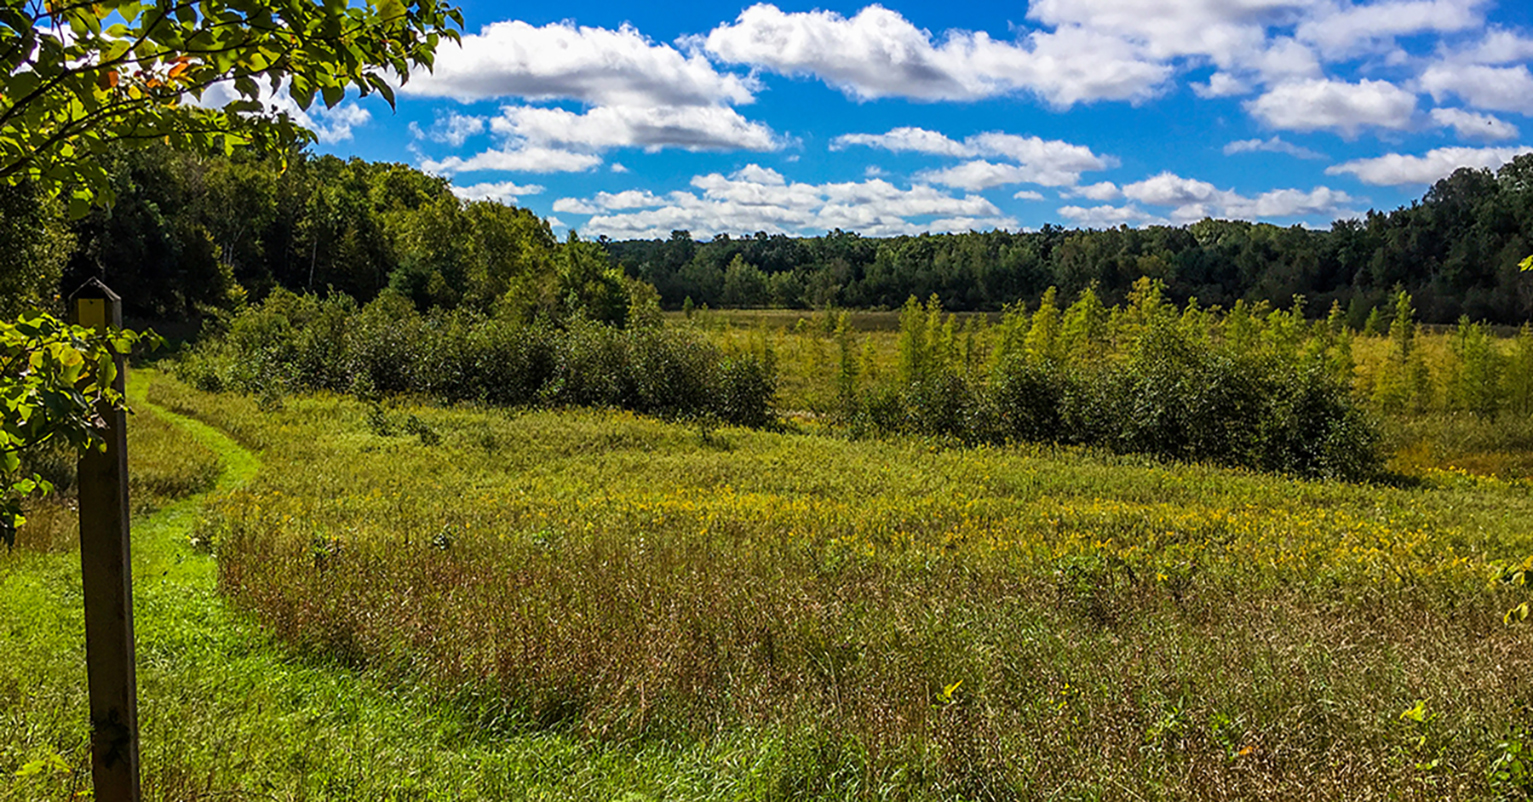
190 235
1456 251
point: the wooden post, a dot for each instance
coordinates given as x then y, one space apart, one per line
108 579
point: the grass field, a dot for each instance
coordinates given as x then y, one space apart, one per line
597 605
227 712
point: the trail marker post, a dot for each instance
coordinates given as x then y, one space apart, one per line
106 569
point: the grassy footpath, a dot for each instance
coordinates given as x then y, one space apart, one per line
228 714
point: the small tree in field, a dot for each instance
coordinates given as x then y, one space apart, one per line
914 349
846 367
1476 385
1404 385
1083 332
1042 341
1517 379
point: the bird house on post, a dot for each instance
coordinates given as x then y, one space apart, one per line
106 570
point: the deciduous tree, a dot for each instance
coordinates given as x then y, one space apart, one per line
80 76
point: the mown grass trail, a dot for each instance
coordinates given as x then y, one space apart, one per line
228 714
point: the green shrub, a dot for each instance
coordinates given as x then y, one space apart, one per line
1162 382
292 343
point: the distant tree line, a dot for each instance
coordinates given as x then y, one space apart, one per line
1456 251
192 235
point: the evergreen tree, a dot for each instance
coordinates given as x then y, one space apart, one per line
1374 324
1404 383
1517 379
1083 333
1476 384
1042 343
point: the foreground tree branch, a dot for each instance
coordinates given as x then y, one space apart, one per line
78 78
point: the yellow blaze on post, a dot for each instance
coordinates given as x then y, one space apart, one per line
91 312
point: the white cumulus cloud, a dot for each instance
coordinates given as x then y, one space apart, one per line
562 61
878 53
1169 189
638 93
757 198
1326 104
1482 86
1282 203
1107 216
1500 46
1468 125
1220 29
1100 191
516 159
1033 160
687 127
1243 38
1273 145
574 206
1348 30
1221 84
503 191
629 199
906 140
981 174
1395 169
451 128
334 125
1191 199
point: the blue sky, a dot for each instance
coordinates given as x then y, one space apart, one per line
633 119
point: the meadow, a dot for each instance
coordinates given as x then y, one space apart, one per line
419 599
1436 434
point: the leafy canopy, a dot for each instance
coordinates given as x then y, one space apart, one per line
80 76
52 377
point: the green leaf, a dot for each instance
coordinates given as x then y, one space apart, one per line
52 762
106 370
386 90
391 9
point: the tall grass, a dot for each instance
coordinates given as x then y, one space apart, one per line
903 621
162 468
